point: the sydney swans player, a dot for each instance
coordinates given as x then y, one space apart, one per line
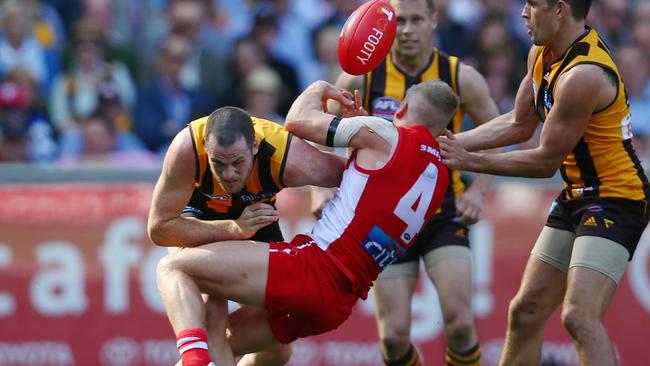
393 183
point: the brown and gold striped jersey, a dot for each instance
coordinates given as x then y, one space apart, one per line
603 163
262 185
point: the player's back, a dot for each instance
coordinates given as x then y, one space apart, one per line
376 214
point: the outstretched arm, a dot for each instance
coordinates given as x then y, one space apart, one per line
578 94
478 104
510 128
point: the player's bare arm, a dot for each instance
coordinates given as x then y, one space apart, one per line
510 128
173 190
308 120
478 104
579 93
306 165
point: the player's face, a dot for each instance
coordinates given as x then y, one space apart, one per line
415 26
540 20
232 164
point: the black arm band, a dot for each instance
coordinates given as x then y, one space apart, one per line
331 131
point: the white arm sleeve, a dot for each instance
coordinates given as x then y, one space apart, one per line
348 127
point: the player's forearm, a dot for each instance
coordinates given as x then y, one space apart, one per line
190 232
523 163
499 132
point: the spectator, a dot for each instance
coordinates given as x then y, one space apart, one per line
641 26
634 69
262 90
18 47
48 30
75 95
164 105
326 62
25 133
97 141
612 17
265 33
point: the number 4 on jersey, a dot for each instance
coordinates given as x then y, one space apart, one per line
413 206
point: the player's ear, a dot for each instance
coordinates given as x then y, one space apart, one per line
434 19
255 147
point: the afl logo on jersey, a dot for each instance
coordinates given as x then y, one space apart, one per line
384 107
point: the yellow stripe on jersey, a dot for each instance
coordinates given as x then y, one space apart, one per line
603 162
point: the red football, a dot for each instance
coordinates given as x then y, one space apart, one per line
366 37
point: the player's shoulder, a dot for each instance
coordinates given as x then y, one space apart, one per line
587 75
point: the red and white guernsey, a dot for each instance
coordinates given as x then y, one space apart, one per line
376 214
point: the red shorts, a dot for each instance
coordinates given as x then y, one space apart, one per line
306 294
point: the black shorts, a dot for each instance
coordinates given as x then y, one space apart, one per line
442 230
617 219
267 234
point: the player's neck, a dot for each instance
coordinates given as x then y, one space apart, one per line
565 38
412 65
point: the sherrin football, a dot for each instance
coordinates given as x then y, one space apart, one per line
366 37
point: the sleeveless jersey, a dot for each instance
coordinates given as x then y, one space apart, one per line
386 87
376 214
262 185
603 163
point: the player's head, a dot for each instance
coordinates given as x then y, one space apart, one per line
416 21
431 103
231 146
544 18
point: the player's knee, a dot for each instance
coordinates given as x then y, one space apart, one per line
577 321
165 266
524 311
395 341
458 328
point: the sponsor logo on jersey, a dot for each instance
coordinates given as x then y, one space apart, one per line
548 98
590 221
249 197
384 107
431 150
608 223
595 209
381 247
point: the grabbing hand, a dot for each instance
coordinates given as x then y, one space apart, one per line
354 110
469 206
453 153
255 217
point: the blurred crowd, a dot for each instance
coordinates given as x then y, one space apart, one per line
113 81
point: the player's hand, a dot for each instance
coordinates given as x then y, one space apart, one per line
255 217
328 91
469 206
356 109
453 153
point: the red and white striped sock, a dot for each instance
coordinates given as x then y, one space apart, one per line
192 343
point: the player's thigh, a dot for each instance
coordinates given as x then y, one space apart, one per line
544 282
450 269
393 291
249 330
235 270
596 267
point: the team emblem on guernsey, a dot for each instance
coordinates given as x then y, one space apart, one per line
381 247
384 107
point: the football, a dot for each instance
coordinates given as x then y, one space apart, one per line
366 37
